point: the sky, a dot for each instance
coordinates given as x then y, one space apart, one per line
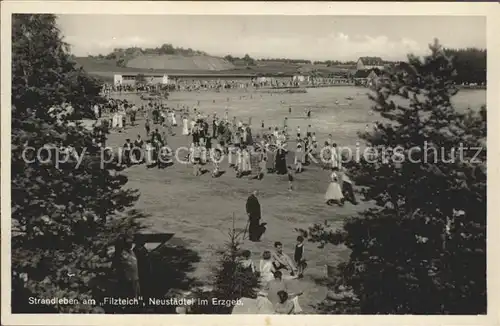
296 37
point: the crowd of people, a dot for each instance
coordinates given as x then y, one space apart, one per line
217 85
210 138
251 152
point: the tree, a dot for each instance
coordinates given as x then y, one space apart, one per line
140 79
422 248
231 282
64 215
249 61
470 64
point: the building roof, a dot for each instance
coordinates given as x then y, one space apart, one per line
361 74
366 73
372 61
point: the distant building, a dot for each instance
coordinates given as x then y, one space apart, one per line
372 78
131 79
367 77
368 63
300 78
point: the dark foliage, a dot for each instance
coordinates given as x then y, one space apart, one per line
231 282
470 65
64 216
422 248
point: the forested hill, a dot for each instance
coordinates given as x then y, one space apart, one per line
470 65
165 57
118 53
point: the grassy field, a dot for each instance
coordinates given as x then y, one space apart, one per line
199 210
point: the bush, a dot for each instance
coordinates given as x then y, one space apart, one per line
422 248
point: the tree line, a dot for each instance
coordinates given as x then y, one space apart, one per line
122 55
470 65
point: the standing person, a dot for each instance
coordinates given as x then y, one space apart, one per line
137 151
281 161
149 154
270 158
96 111
144 267
127 147
290 178
299 158
298 132
174 120
334 191
155 136
185 126
217 154
126 268
290 110
329 141
147 126
215 126
163 118
298 256
244 136
308 131
276 132
237 138
133 113
255 230
246 161
314 144
347 188
192 126
336 160
196 160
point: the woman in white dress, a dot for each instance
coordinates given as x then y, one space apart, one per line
266 268
239 162
185 127
246 161
172 117
334 191
193 124
245 136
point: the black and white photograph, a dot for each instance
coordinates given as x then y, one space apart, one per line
237 164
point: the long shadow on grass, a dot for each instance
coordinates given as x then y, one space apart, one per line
168 273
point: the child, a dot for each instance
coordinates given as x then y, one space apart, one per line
215 161
196 160
300 262
308 131
290 178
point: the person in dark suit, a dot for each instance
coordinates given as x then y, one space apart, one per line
255 228
144 267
